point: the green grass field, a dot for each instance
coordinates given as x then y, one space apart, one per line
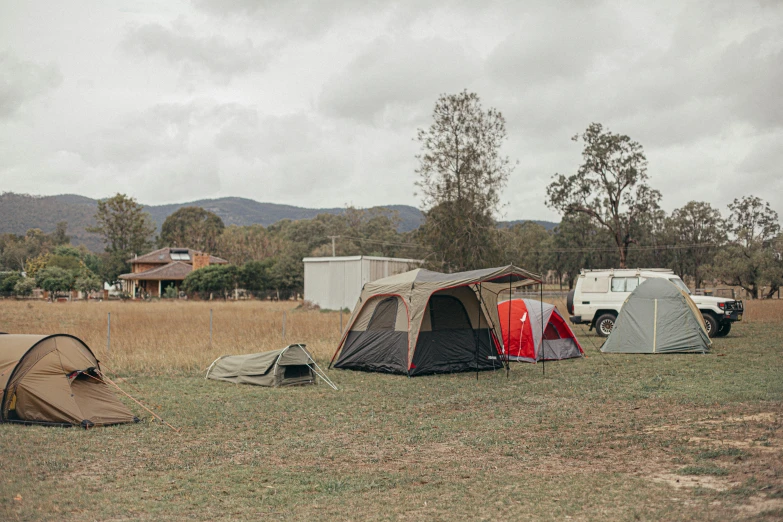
667 437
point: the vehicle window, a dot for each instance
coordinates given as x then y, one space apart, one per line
678 282
624 284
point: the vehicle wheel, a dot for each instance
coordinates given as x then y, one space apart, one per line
604 325
723 329
711 323
570 302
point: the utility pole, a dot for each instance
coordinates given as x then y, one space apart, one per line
333 238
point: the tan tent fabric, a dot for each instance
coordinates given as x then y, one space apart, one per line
478 290
290 366
53 380
367 312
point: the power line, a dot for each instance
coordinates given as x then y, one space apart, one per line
632 247
376 241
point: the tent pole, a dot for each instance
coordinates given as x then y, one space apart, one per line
506 345
478 332
319 372
543 353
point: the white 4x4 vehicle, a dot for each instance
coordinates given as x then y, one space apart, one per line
599 294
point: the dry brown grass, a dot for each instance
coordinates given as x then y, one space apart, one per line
173 337
166 337
764 311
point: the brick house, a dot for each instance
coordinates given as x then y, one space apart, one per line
152 273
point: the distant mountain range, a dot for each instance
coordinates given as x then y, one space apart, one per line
21 212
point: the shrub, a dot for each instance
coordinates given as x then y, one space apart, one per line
24 286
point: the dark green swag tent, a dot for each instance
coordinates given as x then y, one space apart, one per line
291 366
658 317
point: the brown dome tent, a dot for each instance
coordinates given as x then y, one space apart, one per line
54 380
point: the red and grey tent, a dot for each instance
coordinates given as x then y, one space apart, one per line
525 340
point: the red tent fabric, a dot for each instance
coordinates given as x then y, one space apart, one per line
525 341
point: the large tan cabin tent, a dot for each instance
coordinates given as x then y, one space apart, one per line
424 322
658 317
54 379
291 366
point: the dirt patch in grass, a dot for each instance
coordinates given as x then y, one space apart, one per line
684 481
760 504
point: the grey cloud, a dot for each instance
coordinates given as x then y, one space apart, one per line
753 76
690 83
306 159
162 130
166 151
304 18
181 178
765 158
182 47
556 42
22 81
391 80
695 83
170 130
731 82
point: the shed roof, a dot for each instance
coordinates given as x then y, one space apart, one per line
358 258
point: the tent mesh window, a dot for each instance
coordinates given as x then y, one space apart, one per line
385 315
448 313
294 372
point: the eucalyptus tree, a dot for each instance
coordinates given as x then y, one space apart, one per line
462 173
610 186
752 260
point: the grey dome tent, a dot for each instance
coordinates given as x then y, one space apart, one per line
658 317
424 322
291 366
55 380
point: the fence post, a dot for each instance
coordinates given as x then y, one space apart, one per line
108 336
341 321
283 326
210 328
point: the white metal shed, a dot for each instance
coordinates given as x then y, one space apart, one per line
334 283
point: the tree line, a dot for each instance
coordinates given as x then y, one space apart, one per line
610 217
265 261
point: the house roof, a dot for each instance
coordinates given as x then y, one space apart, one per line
163 256
175 271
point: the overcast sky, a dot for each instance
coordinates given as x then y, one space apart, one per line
316 103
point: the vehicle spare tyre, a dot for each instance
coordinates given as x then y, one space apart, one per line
711 323
570 302
604 324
